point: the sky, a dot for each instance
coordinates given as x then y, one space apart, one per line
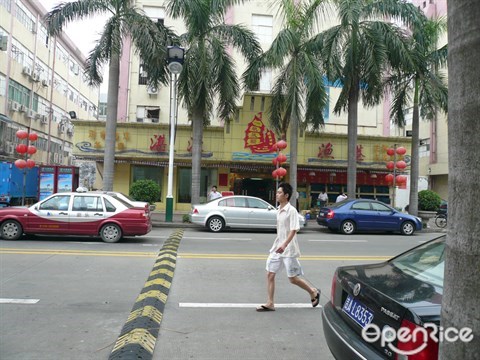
83 33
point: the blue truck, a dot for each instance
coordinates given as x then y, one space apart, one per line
11 185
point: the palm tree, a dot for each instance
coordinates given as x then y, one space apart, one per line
298 95
462 257
125 21
428 86
208 70
357 52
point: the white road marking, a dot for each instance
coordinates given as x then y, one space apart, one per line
19 301
240 305
215 238
351 241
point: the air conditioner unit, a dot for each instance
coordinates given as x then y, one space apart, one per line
152 90
44 119
60 159
27 71
31 114
38 116
35 77
55 158
61 128
44 83
155 120
14 106
22 108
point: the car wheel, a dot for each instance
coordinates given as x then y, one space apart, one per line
11 230
408 228
111 233
215 224
348 227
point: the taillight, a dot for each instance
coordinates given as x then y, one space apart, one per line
330 214
334 286
195 211
416 341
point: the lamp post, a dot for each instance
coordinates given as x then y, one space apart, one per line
175 57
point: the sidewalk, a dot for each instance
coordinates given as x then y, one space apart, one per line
158 219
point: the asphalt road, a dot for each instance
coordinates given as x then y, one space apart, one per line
82 291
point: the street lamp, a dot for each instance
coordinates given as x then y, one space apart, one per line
175 57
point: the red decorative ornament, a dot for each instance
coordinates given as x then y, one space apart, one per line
274 147
282 144
30 163
33 137
389 178
281 158
274 161
390 165
20 163
281 171
401 164
274 173
21 134
401 150
390 151
21 148
31 149
401 179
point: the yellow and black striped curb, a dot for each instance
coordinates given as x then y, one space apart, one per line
139 334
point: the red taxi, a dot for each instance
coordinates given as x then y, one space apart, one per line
97 213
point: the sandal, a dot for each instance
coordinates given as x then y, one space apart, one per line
315 301
264 308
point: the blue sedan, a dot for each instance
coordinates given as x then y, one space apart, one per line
353 215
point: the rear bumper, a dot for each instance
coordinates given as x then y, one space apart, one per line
344 343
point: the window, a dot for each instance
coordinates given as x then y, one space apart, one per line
380 207
148 114
87 203
262 26
59 202
185 184
424 148
142 75
18 93
265 81
361 205
108 206
257 204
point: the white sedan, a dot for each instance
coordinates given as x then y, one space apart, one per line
237 212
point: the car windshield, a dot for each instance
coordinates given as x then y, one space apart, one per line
425 263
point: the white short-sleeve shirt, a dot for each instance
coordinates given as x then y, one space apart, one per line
287 220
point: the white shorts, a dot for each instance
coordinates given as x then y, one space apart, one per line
275 263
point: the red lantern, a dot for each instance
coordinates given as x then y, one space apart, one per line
274 161
20 163
33 137
30 163
21 134
401 164
282 144
274 173
390 151
21 148
401 150
281 158
401 179
31 149
390 165
389 178
281 171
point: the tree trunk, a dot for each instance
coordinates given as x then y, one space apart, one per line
352 142
294 124
414 165
460 298
111 123
197 128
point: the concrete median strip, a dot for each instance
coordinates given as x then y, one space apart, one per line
139 334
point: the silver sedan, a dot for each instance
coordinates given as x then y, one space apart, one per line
236 212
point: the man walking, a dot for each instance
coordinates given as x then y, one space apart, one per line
285 251
322 199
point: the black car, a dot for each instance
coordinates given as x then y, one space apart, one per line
370 303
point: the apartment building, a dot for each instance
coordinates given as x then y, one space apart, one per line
42 86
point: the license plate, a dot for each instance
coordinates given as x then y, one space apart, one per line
357 311
322 214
